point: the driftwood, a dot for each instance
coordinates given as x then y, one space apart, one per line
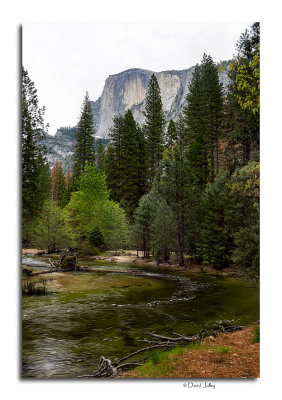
108 369
68 261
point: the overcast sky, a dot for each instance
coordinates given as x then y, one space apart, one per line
67 59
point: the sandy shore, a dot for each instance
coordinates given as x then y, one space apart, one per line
130 257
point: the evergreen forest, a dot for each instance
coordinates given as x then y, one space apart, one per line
186 188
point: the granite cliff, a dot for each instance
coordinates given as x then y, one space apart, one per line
123 91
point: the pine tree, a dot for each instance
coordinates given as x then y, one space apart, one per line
171 135
85 140
154 127
35 170
218 222
129 164
177 187
58 185
126 163
203 114
112 160
242 122
100 155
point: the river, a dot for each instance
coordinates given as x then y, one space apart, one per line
86 315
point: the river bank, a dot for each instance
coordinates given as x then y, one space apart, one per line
229 355
130 257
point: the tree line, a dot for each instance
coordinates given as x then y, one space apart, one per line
188 186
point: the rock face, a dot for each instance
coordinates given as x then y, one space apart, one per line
61 147
123 91
127 90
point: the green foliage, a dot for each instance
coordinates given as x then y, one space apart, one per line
246 250
242 106
35 171
248 83
177 187
163 231
221 349
219 219
171 134
132 150
143 216
154 127
85 140
194 345
158 356
52 230
112 160
229 220
100 155
246 183
154 228
96 237
90 209
203 118
256 338
125 162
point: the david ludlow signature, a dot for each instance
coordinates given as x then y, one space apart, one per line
203 385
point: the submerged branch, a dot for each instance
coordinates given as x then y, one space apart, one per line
108 369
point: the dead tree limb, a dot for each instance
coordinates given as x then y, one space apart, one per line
108 369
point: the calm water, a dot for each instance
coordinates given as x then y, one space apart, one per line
87 315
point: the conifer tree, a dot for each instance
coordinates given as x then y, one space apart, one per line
171 135
242 123
154 127
100 155
130 164
85 140
126 163
35 170
177 187
203 114
112 160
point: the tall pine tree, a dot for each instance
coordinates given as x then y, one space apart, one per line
203 114
35 170
85 140
100 155
131 168
154 127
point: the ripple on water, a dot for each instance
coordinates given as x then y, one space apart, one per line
64 334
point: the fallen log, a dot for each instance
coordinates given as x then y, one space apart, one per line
108 369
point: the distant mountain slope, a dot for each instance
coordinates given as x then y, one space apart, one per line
123 91
127 90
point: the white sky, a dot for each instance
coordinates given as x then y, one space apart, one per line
66 59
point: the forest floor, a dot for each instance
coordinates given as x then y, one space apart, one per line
229 355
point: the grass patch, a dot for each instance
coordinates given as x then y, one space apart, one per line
157 357
177 351
31 288
221 349
256 338
194 345
160 363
